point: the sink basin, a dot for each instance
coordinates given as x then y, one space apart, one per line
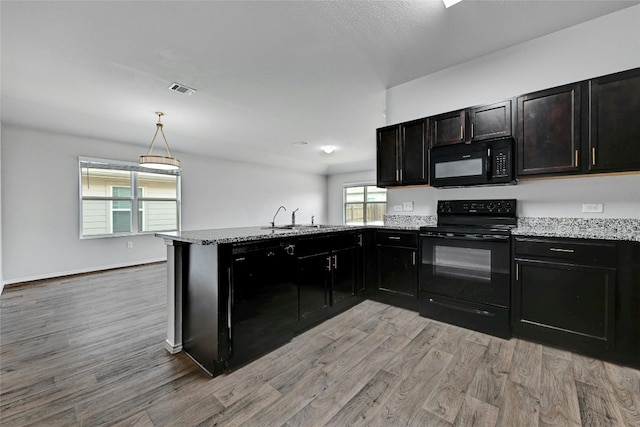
298 227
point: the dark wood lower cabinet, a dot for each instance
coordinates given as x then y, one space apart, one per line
313 287
627 338
397 268
327 277
571 305
580 295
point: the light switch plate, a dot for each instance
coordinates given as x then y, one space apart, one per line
407 206
397 208
593 207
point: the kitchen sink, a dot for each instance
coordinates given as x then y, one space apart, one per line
299 227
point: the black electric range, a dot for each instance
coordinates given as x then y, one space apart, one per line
465 269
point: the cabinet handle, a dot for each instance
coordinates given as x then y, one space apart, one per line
568 251
472 130
576 158
335 262
461 132
400 174
394 238
328 266
229 302
413 257
593 156
517 272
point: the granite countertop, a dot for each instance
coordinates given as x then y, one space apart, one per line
247 234
581 228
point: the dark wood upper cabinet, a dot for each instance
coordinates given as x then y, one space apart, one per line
415 150
614 134
403 154
388 152
448 128
472 124
548 131
491 121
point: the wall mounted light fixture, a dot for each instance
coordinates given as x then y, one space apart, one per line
159 162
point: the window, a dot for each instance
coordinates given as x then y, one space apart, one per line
364 205
106 199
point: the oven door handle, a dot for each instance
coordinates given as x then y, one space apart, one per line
461 308
472 237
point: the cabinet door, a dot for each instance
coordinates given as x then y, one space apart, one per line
388 152
548 131
615 122
448 128
414 167
343 285
397 270
569 305
313 295
491 121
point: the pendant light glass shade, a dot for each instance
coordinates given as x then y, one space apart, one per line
150 160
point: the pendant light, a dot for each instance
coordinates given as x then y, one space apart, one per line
159 162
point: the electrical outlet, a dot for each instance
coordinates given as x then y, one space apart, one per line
397 208
593 207
129 245
407 206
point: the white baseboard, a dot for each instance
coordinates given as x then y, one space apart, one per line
79 271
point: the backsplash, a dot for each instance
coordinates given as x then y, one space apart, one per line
585 228
409 221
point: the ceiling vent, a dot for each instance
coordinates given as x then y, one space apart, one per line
180 88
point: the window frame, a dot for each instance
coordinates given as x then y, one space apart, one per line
364 203
135 199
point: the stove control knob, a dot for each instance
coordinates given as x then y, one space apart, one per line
490 206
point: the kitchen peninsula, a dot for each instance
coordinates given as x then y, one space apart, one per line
234 294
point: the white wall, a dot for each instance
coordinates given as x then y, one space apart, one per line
40 203
620 196
601 46
335 185
1 271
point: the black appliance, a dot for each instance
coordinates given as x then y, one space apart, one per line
240 301
477 163
465 269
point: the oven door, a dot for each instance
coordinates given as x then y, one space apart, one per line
466 267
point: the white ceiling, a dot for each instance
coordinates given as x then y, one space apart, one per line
268 73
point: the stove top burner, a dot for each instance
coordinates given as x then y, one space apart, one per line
476 216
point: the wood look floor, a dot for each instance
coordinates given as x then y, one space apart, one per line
88 350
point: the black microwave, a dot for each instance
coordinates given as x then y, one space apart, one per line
478 163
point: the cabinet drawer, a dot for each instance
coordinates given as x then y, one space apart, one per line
397 238
596 254
319 244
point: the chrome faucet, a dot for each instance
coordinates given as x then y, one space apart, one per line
293 217
273 223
